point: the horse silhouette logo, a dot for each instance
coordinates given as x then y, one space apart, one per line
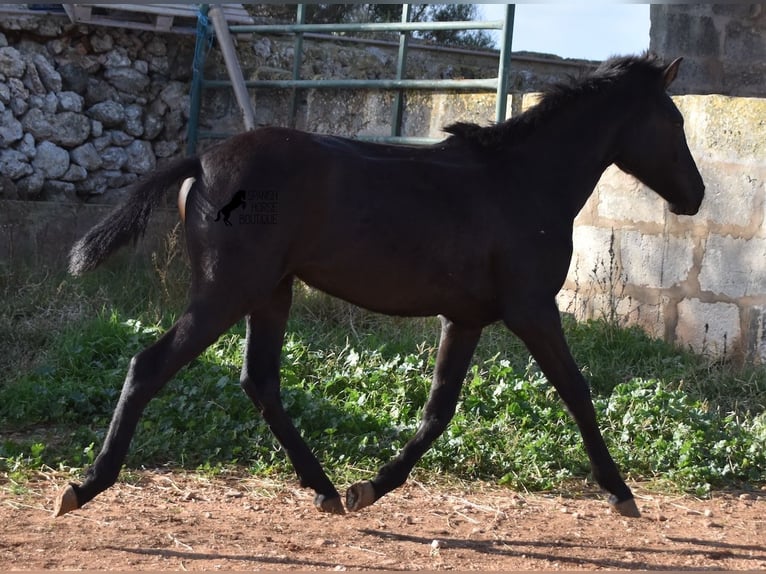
236 201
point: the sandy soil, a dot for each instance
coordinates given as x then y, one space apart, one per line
176 521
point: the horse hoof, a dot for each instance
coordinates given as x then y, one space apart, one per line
66 502
626 507
360 495
332 505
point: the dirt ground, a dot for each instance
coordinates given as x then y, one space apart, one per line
175 521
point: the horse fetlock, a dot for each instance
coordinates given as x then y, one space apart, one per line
625 507
66 502
331 504
360 495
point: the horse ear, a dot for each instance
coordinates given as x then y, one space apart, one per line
671 72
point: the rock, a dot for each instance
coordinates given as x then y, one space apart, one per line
141 66
133 116
30 187
27 146
56 46
102 142
113 158
50 78
70 129
94 184
262 48
116 179
37 123
152 126
74 78
96 128
175 95
70 102
126 79
51 160
19 97
109 113
5 93
50 103
120 138
101 43
117 58
156 47
165 148
10 128
3 40
75 173
99 91
86 156
14 164
141 158
12 64
33 82
67 129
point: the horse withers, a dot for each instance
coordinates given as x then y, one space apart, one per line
475 229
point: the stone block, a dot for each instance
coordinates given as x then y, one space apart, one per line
724 128
709 328
733 193
733 267
660 261
593 257
622 197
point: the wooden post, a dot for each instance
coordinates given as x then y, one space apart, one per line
232 65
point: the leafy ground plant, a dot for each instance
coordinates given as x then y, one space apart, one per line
355 383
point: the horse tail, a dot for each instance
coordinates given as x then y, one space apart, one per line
128 221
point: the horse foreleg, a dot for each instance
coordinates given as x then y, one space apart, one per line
456 348
149 371
540 329
260 381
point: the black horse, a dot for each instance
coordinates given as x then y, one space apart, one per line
476 229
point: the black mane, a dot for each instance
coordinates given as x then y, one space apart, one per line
629 70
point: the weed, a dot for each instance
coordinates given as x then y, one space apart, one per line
355 383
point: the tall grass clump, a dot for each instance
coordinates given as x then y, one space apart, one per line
355 383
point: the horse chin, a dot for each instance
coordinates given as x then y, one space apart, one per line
683 209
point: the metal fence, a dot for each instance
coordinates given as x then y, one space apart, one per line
498 84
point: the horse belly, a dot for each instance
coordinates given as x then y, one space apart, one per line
406 289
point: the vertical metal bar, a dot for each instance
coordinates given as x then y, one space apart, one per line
300 18
200 51
501 103
401 63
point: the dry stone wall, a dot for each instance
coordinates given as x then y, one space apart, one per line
84 113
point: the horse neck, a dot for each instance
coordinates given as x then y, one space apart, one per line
579 144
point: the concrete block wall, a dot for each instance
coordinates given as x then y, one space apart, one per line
724 46
698 281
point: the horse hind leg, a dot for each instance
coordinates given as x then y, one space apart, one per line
456 348
200 325
260 381
540 329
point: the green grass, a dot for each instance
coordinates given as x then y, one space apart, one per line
355 383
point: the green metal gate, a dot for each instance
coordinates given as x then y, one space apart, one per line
499 84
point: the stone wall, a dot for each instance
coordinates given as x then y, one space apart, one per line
724 46
86 110
699 281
